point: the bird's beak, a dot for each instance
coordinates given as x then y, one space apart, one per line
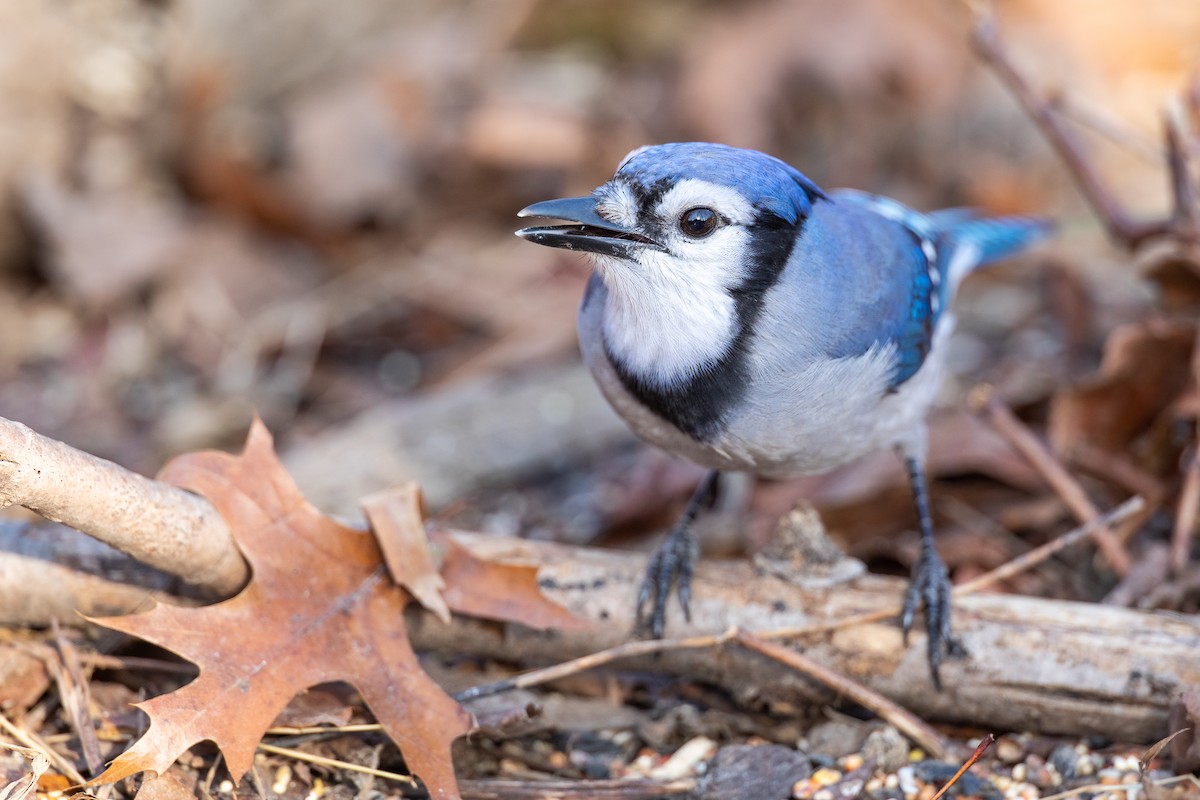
588 231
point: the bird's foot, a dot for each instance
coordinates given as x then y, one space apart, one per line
930 587
670 566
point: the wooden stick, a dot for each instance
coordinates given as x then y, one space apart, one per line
1056 475
159 525
903 720
1044 112
1023 652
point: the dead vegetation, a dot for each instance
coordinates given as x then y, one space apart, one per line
215 211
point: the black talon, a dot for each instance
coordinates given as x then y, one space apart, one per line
930 584
672 565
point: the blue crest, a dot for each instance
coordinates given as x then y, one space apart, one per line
767 182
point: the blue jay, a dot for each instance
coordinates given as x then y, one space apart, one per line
740 317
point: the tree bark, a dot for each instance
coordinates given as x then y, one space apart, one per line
1032 664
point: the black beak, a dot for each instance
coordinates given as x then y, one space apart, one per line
588 232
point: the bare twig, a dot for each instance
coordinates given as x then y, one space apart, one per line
575 666
1026 561
1055 474
75 694
157 524
903 720
1048 117
1186 511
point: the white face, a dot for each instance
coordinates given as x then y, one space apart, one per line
670 311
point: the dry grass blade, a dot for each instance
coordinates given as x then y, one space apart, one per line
300 755
33 741
1130 789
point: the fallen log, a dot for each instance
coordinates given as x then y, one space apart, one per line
1032 664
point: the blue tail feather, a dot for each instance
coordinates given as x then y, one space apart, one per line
996 237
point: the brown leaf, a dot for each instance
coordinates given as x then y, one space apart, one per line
320 706
1146 368
505 591
1184 716
319 608
1152 791
397 517
167 786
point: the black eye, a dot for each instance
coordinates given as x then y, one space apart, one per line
698 222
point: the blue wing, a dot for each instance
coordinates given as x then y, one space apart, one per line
925 256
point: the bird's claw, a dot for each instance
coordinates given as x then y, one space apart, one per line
930 588
670 566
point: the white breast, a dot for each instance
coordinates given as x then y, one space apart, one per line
796 419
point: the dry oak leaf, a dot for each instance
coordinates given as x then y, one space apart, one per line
501 588
1145 370
319 608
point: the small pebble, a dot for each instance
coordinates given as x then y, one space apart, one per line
683 762
1126 763
826 776
1009 749
852 762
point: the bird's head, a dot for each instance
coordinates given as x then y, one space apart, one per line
695 212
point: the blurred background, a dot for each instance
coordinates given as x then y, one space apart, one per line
215 208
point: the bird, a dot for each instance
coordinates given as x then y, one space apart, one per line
740 317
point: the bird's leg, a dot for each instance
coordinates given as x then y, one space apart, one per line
672 564
930 585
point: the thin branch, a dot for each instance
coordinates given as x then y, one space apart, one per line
903 720
1056 475
1046 114
1186 511
158 524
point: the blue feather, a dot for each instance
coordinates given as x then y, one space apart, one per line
940 235
770 184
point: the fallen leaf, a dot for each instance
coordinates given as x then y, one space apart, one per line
1184 715
1145 369
319 608
504 591
167 786
1177 275
398 520
319 706
1149 788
